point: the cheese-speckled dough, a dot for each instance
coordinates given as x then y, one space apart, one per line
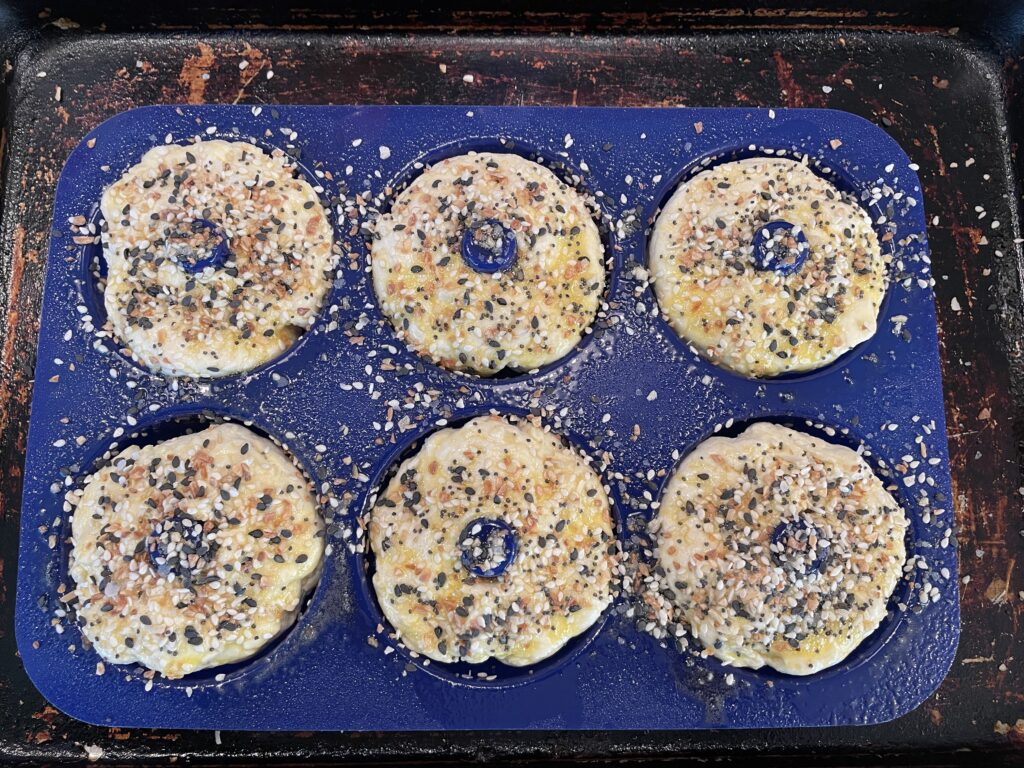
555 588
800 601
521 318
221 320
194 552
756 322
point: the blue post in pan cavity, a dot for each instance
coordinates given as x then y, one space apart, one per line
790 557
193 260
177 547
488 547
488 246
780 247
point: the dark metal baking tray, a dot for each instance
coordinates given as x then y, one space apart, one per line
942 78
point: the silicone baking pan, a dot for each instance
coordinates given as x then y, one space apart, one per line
631 390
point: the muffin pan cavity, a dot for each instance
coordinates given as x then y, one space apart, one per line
88 228
350 400
557 159
492 673
835 433
875 196
146 431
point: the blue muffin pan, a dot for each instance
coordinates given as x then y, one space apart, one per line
631 392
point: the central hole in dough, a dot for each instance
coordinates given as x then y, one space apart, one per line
198 245
798 547
179 547
780 247
488 547
488 246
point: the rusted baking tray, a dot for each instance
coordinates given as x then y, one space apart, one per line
941 80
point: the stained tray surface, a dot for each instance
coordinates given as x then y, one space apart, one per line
632 392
